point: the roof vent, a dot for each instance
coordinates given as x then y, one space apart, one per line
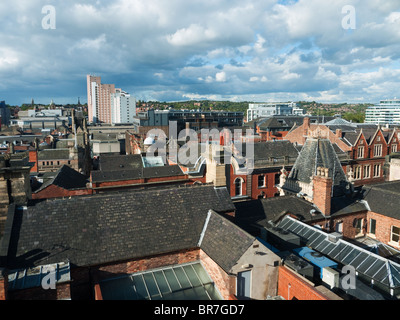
335 237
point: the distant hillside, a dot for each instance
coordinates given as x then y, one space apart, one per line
353 112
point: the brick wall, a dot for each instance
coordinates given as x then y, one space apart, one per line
133 266
225 283
293 287
3 285
269 190
53 191
62 292
33 157
124 183
349 231
383 227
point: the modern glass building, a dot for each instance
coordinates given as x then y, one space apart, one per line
257 110
386 112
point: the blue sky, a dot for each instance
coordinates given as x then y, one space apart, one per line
171 50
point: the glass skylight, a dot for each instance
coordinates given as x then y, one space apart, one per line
182 282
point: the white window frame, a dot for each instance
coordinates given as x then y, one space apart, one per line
392 234
241 186
357 173
378 150
377 170
360 152
258 181
369 228
367 172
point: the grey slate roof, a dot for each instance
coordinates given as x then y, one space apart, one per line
225 242
53 154
384 198
272 209
136 173
319 153
120 162
98 229
263 151
285 122
66 178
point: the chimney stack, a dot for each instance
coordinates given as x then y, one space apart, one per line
306 127
322 191
215 166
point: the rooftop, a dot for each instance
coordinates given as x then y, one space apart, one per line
113 227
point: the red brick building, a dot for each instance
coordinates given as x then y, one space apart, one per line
125 235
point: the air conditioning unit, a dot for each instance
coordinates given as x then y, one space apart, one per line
299 265
330 277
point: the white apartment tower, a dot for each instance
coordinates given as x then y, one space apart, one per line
123 107
106 104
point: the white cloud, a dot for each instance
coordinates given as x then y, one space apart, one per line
220 77
228 49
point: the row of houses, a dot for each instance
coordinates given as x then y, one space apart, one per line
147 227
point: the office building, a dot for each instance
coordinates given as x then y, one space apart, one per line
386 112
257 110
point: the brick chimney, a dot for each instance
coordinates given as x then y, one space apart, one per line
306 126
322 191
215 172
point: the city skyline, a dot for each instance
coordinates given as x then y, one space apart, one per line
260 51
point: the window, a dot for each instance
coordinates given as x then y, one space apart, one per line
360 152
261 181
277 178
394 148
238 186
358 225
395 234
377 170
378 150
357 173
367 172
372 226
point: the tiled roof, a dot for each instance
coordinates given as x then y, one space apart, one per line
120 162
384 198
136 173
319 153
53 154
263 151
92 230
225 242
66 178
272 209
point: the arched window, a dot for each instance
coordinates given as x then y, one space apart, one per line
238 186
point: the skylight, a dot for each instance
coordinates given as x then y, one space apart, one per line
181 282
